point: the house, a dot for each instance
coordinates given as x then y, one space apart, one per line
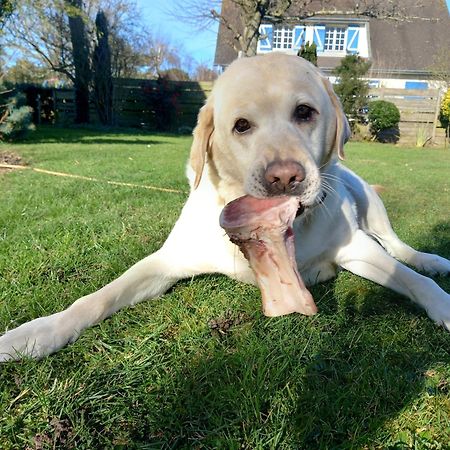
402 50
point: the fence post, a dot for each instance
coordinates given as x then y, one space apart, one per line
55 111
436 116
38 107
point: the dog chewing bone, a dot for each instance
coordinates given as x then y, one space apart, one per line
262 228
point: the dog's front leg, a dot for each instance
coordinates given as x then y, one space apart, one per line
148 278
196 245
366 258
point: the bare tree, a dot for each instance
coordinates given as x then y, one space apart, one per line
126 57
441 65
54 32
127 36
39 30
245 31
25 71
6 9
160 55
204 73
242 18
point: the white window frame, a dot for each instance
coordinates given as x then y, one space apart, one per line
282 38
331 44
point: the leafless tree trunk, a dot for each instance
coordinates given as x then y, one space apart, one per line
253 12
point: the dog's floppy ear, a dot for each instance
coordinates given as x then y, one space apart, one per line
343 131
202 140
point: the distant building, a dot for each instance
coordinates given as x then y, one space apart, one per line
401 51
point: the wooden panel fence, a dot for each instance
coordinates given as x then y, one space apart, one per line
419 113
418 108
132 106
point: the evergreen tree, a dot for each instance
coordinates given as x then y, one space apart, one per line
80 53
101 65
351 88
15 116
309 52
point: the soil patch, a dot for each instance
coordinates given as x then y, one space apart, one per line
10 158
222 325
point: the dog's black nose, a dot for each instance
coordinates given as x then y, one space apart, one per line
284 176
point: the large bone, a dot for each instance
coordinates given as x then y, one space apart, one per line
262 228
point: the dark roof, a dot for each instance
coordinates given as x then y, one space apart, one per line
397 46
225 52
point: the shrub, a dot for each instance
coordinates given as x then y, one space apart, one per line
350 87
162 98
15 117
309 52
444 116
383 115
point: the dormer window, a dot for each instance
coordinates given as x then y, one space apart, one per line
283 38
335 39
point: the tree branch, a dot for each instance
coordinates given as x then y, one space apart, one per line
368 13
237 36
61 69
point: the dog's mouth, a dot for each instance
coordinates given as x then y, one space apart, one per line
302 209
262 228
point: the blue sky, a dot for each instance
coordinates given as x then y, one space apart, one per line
200 45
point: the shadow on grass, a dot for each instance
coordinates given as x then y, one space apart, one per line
333 381
91 135
438 242
367 359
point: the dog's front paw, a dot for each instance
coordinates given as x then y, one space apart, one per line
439 311
37 338
432 264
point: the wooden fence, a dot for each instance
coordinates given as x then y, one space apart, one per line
132 106
419 113
419 109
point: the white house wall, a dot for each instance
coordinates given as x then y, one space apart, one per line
309 34
363 43
398 83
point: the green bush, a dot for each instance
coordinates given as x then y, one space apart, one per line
444 115
15 117
383 115
162 97
351 86
309 52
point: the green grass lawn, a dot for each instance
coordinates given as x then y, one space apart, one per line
202 367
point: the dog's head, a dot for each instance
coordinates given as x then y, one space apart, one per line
270 125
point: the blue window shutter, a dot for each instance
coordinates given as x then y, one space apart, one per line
319 37
352 38
299 37
265 43
416 85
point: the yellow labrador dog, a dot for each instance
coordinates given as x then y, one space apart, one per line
272 126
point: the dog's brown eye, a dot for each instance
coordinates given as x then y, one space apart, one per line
303 113
241 126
